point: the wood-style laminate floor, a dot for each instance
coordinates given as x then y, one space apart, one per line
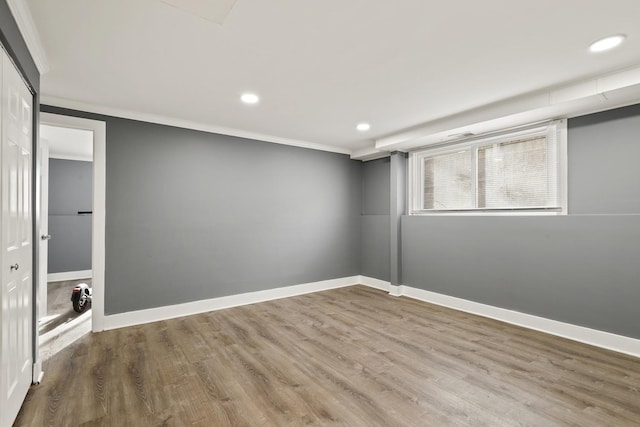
352 356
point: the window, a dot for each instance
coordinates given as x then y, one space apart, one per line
517 171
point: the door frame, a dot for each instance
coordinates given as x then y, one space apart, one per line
43 194
99 129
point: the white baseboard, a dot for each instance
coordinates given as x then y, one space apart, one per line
582 334
139 317
395 291
594 337
69 275
37 373
374 283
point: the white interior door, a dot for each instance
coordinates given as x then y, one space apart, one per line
16 242
44 227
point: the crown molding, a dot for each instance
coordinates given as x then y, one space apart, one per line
185 124
22 15
368 153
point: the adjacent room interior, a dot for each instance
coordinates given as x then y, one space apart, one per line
66 182
320 214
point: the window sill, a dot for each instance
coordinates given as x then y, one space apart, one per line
493 212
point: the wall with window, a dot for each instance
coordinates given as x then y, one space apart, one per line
581 268
192 215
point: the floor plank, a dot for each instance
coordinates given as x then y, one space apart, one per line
352 356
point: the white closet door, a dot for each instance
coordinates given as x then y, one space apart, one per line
16 241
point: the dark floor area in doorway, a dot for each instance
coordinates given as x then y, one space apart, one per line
62 326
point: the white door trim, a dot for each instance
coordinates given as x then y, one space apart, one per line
69 275
99 129
43 230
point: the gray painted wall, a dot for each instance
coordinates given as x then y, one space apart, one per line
375 186
375 247
70 191
582 268
604 162
192 215
375 219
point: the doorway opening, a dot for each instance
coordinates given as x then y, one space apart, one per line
66 209
71 229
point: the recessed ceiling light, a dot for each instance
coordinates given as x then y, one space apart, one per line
250 98
607 43
363 127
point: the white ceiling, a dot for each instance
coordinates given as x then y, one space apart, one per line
321 67
67 143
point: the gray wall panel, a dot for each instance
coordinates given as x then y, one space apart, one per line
70 247
70 186
70 191
577 269
375 186
604 168
375 246
192 215
376 182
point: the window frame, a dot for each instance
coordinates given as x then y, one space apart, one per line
554 132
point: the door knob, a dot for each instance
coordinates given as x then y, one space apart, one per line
45 236
16 266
